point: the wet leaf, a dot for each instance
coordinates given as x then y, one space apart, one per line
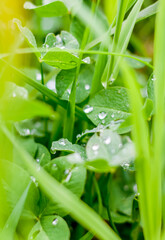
50 228
108 105
65 146
53 9
109 150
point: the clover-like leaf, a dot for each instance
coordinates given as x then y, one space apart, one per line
109 150
64 81
28 36
71 175
50 228
108 106
58 51
53 9
66 146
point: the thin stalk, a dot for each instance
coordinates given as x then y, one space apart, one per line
43 83
121 10
70 115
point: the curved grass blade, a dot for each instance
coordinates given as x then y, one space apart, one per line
44 90
11 223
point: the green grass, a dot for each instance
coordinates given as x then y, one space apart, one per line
82 121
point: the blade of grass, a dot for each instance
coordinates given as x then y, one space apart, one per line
145 13
81 212
89 52
126 33
11 223
142 145
158 125
70 116
121 10
44 90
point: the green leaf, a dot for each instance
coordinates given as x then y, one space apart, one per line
110 149
148 12
53 9
64 81
44 90
42 155
108 105
58 193
57 51
28 36
11 177
70 175
50 228
31 127
12 222
66 146
17 109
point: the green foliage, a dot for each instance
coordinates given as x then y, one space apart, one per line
52 9
82 125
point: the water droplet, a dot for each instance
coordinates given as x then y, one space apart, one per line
69 91
33 179
135 188
69 174
107 140
54 165
125 165
47 46
87 86
51 84
62 142
102 115
111 80
55 221
120 145
153 78
88 109
95 147
87 60
38 76
38 160
112 115
14 94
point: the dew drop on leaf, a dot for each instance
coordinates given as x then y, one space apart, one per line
88 109
38 76
95 147
112 115
62 142
107 140
87 86
102 115
55 221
